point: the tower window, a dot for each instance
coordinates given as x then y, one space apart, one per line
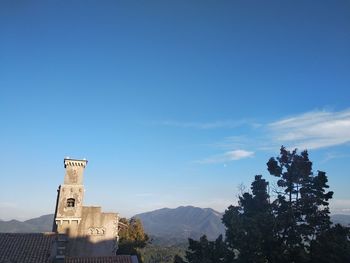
70 202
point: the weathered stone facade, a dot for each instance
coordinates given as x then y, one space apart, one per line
83 230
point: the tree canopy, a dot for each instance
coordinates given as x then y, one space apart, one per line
132 237
292 225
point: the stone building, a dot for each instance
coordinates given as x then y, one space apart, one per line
80 233
83 230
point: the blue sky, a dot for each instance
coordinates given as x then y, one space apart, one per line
172 102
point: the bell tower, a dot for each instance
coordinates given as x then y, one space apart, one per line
70 196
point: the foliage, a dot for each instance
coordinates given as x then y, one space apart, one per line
249 225
178 259
301 207
204 251
134 241
294 227
162 254
132 238
332 246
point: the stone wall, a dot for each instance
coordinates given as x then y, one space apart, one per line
97 234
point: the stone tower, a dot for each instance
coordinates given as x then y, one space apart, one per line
70 198
82 230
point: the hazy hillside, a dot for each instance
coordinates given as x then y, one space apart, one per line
182 222
39 224
341 219
167 226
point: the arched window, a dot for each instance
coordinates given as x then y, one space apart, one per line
70 202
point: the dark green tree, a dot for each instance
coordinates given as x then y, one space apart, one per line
249 226
301 207
178 259
332 245
204 251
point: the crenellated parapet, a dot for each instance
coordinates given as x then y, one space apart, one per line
74 171
74 162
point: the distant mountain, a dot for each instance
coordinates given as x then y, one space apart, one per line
35 225
182 222
173 225
165 226
341 219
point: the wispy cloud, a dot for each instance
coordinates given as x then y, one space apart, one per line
144 195
333 155
313 130
232 142
310 130
209 125
227 157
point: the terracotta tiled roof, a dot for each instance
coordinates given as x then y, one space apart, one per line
25 248
112 259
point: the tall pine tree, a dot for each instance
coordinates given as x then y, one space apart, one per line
301 207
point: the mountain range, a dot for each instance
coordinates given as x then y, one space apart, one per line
35 225
182 222
165 225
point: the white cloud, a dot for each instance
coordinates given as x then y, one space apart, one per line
334 155
310 130
210 125
313 130
227 157
232 142
238 154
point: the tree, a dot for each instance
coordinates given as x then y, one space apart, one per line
178 259
331 246
301 207
132 237
293 227
204 251
249 226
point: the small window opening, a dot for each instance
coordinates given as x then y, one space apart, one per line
70 202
